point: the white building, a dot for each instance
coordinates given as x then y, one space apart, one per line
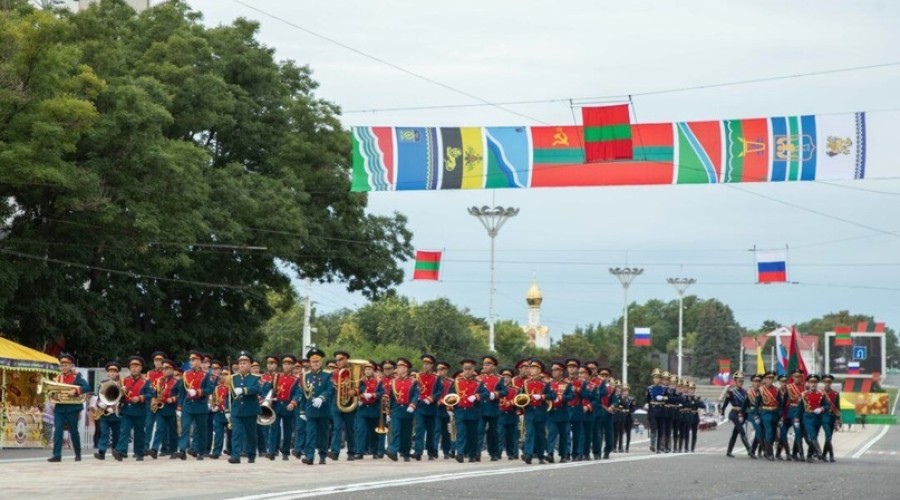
538 334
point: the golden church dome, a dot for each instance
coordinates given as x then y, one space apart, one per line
534 297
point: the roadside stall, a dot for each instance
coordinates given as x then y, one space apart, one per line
22 415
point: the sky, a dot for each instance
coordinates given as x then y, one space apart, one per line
843 237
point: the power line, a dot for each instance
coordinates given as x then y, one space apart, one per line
385 62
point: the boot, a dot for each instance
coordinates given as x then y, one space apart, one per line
769 456
652 440
830 451
746 444
778 452
753 448
731 446
693 441
799 445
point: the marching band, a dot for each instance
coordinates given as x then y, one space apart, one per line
576 411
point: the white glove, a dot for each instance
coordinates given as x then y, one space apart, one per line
493 396
410 409
214 409
388 419
102 405
537 397
303 417
368 395
659 398
741 420
818 411
237 391
192 393
178 413
471 398
449 413
646 406
317 402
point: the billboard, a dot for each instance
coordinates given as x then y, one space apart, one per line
863 357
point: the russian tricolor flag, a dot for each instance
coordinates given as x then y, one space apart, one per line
642 336
771 266
853 368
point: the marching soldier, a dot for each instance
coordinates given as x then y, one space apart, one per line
263 432
793 392
508 422
684 411
607 402
656 400
214 368
388 372
536 413
317 396
831 420
751 411
618 421
221 414
426 409
558 435
369 413
586 394
443 414
109 423
403 392
626 409
195 386
671 413
153 376
694 419
814 404
285 394
576 411
136 392
472 393
300 371
490 408
67 414
736 396
769 406
343 424
246 389
166 395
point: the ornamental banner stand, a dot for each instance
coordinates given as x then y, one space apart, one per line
24 423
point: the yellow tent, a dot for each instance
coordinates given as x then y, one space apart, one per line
20 415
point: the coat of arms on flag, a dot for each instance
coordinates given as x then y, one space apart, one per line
642 336
771 266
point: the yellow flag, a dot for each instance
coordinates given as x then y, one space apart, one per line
760 365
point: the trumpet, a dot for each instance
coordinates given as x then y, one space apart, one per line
385 409
450 400
521 400
158 402
266 413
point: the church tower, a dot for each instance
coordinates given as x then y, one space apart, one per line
538 334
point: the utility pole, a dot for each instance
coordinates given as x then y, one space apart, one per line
626 275
681 285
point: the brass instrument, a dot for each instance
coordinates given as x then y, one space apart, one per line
158 401
226 375
347 401
266 413
110 394
450 400
385 410
58 392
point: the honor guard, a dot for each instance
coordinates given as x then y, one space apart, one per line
285 397
576 411
792 392
192 409
443 415
536 413
508 421
490 408
656 404
317 396
343 420
108 424
627 405
369 418
769 405
67 407
735 396
558 413
245 392
426 409
163 407
403 392
671 415
831 419
751 413
697 406
220 406
607 402
136 391
470 396
813 405
153 376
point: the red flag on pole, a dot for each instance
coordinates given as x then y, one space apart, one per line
795 359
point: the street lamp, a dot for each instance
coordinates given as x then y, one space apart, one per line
492 219
626 275
681 285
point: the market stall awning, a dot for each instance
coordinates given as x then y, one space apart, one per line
19 357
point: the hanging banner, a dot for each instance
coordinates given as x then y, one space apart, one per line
776 149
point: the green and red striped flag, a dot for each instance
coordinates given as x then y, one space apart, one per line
842 336
428 265
795 359
607 133
870 326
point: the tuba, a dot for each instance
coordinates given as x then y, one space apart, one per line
266 413
110 394
347 400
58 392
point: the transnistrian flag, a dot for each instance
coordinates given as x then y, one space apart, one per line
870 326
607 133
853 368
842 336
428 265
642 336
771 266
795 359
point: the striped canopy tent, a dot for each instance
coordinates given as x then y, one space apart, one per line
20 416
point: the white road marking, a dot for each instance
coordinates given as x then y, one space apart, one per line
349 488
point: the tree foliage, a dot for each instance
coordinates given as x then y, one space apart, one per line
158 177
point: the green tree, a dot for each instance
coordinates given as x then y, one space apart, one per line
718 337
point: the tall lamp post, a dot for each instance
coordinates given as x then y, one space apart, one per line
681 285
625 275
492 219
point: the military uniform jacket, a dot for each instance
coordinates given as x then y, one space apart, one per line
563 395
465 387
590 396
166 389
74 378
769 399
318 385
812 400
370 407
749 408
834 400
109 415
445 384
429 393
607 404
200 382
493 384
657 395
403 393
284 390
247 403
626 407
736 397
537 410
576 411
136 387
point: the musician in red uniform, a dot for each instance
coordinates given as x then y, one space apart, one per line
558 418
426 409
403 392
368 415
166 438
66 414
220 412
153 376
342 423
467 412
443 415
576 411
137 391
285 394
263 432
536 413
490 408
